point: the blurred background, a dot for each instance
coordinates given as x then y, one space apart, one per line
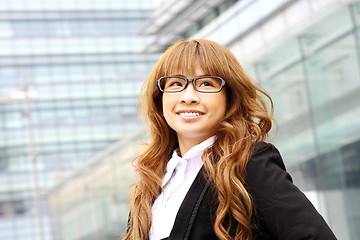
71 71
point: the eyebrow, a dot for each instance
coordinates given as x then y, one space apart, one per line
181 75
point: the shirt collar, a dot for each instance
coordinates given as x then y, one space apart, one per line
194 152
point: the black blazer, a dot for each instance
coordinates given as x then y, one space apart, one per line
281 210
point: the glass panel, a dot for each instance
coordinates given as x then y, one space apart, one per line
334 88
276 61
329 29
288 90
355 13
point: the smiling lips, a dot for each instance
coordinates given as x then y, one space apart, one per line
189 113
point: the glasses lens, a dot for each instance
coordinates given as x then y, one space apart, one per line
208 84
172 84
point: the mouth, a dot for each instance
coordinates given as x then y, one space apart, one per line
189 113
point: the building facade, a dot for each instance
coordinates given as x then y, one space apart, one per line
70 73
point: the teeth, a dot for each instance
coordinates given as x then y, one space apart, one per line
190 114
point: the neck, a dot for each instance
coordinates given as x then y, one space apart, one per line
185 144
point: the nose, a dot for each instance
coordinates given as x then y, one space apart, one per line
189 95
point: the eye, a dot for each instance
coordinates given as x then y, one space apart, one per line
206 84
175 84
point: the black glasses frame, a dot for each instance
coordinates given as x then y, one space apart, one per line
223 83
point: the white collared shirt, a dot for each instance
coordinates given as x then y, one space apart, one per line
179 176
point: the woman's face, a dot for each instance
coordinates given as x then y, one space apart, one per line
194 116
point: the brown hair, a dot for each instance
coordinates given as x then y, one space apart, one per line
247 121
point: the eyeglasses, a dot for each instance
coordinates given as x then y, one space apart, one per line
204 84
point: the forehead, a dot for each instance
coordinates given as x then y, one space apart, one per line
189 68
190 73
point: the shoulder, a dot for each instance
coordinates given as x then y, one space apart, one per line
281 209
262 148
265 156
266 174
266 171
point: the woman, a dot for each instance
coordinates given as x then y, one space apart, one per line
206 173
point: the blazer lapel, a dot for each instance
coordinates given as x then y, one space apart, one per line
185 217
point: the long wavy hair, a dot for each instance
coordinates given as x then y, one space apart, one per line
247 120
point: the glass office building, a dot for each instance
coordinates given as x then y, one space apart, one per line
92 202
305 53
70 73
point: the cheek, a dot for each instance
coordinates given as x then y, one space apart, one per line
163 105
167 106
220 104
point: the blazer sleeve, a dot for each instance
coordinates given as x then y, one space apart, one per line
281 209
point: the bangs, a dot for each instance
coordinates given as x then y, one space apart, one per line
184 57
